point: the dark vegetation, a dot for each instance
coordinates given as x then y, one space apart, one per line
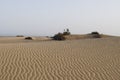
95 35
66 32
19 36
65 35
61 36
28 38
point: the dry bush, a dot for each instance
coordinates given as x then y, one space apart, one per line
66 32
95 35
58 36
28 38
19 36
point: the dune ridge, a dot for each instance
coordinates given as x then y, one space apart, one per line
89 59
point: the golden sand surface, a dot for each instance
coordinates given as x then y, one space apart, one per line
86 59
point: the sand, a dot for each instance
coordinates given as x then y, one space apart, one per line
86 59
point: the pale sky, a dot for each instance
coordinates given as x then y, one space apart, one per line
47 17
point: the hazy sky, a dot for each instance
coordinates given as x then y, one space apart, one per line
47 17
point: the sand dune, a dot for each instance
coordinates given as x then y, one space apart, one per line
86 59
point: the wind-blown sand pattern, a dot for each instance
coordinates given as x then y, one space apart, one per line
86 59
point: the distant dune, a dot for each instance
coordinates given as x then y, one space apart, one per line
84 59
85 36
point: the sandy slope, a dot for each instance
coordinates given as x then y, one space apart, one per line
89 59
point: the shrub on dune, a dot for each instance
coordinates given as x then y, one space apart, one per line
61 36
66 32
19 36
95 35
58 36
28 38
